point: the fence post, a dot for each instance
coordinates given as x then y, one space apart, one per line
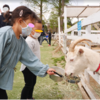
86 74
59 29
88 29
65 19
65 28
72 33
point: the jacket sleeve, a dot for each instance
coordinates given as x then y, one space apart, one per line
32 62
4 39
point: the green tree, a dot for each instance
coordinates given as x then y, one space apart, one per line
38 4
53 20
59 6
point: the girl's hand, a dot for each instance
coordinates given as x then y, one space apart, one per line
50 71
15 69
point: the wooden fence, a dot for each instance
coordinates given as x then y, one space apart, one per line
64 40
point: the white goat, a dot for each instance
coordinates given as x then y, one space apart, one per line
80 58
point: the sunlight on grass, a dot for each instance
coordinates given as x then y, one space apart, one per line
45 87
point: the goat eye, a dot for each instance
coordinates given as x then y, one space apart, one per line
71 59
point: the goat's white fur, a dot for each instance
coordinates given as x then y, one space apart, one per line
88 59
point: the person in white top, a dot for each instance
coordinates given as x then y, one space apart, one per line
29 77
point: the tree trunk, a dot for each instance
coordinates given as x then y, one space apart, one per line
41 10
59 12
62 11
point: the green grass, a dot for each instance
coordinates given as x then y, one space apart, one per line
57 61
45 87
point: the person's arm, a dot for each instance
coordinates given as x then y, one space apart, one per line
4 40
33 63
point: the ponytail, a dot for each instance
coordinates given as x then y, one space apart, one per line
8 16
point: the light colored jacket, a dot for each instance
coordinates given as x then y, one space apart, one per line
13 50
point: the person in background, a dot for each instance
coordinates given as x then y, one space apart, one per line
49 33
13 48
41 36
29 77
45 38
2 19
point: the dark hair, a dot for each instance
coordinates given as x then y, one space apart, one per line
6 6
20 12
39 21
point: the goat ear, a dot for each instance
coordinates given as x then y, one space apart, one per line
81 51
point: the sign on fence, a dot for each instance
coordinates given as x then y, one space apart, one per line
79 28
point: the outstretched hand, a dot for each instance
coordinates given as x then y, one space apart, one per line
50 71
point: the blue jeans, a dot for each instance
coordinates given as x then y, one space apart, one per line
46 40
